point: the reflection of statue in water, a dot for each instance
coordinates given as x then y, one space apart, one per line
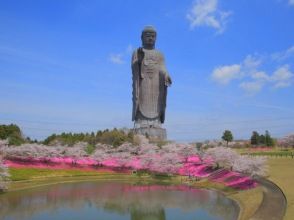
150 82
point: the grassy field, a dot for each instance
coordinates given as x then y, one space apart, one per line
249 201
270 152
281 172
23 178
18 174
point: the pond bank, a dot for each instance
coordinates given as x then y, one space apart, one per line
254 203
25 178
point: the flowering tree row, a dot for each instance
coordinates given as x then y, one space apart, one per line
171 158
230 159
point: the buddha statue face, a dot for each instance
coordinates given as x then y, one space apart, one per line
148 38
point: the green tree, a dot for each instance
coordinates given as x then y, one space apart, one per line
227 136
255 138
262 139
268 139
13 133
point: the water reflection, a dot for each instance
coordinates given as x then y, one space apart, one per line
114 200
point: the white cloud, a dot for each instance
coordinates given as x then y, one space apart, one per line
282 77
251 62
282 74
119 58
116 58
129 49
260 76
251 87
251 74
206 13
224 74
280 56
291 2
282 84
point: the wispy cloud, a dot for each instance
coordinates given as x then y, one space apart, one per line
282 77
291 2
116 58
280 56
207 13
119 58
251 87
252 75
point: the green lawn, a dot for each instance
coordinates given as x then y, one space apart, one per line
18 174
281 171
23 178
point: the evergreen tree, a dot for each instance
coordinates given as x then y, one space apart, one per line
255 138
262 139
268 139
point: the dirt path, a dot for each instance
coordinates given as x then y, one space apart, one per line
274 203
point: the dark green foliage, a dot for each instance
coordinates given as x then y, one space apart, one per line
49 139
13 140
199 145
113 137
263 139
227 136
268 139
255 138
13 133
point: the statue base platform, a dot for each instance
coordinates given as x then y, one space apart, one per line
152 133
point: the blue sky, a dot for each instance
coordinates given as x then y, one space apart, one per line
65 65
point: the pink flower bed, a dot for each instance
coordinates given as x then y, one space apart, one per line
192 167
194 159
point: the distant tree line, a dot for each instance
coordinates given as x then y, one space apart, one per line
113 137
262 139
255 140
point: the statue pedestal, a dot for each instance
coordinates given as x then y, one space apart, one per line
152 133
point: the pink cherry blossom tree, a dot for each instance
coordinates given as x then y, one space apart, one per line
287 141
4 176
33 151
221 156
253 166
228 158
168 163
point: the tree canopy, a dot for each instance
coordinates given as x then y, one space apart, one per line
227 136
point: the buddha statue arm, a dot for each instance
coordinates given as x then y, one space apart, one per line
163 70
136 79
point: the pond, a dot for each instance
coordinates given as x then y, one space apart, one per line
116 201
